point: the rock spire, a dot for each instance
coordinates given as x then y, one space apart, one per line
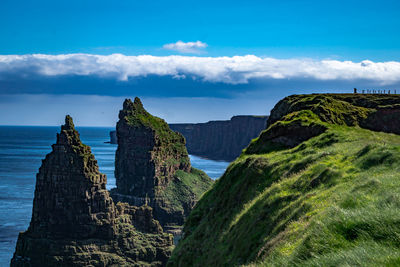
76 223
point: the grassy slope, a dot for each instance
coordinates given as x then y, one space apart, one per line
186 187
332 200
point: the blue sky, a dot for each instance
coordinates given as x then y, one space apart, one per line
349 29
295 47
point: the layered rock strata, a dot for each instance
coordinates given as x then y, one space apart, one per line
218 140
221 140
152 165
76 223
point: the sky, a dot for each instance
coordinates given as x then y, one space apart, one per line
189 61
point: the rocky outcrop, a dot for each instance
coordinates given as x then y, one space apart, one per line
384 119
298 118
113 137
218 140
378 112
76 223
152 165
287 133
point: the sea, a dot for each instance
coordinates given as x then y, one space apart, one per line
22 149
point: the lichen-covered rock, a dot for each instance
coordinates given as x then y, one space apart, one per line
152 164
76 223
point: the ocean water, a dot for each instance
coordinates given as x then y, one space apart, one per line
21 152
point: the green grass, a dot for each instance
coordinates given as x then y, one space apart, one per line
184 188
333 200
337 109
136 116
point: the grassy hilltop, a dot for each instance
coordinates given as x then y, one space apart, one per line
317 188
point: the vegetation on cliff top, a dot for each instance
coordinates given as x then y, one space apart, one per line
333 199
172 142
137 116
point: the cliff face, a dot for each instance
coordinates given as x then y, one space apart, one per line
74 220
219 140
318 187
152 164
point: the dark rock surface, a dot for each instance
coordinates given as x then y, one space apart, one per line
113 137
221 140
218 140
76 223
152 165
285 135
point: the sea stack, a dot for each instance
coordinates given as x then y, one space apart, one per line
76 223
152 165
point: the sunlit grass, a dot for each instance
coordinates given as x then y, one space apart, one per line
332 200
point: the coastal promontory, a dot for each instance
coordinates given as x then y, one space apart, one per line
319 187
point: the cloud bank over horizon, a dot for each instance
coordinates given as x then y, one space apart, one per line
205 88
227 70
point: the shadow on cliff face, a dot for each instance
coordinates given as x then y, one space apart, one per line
152 165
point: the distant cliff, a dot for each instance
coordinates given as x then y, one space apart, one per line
219 140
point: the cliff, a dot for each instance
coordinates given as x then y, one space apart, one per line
76 223
218 140
152 164
318 187
221 140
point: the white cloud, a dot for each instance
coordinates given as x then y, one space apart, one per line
189 47
230 70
